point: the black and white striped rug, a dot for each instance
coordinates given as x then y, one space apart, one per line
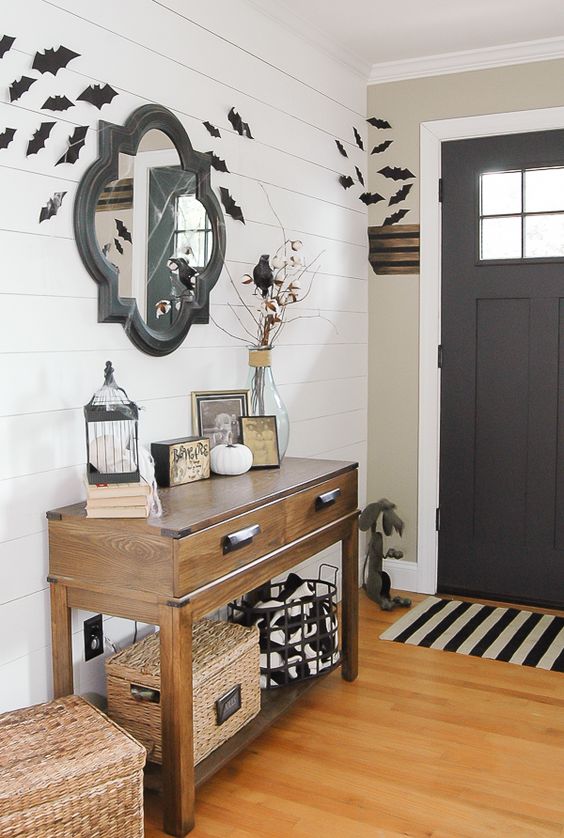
485 631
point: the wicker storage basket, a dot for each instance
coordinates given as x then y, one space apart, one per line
67 771
224 657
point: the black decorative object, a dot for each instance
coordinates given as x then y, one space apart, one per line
370 198
395 217
378 123
6 43
263 275
39 138
112 447
182 270
98 95
53 60
114 140
75 145
396 173
19 87
122 230
358 139
56 103
241 127
231 208
211 129
52 206
180 461
6 137
218 164
341 148
346 181
401 194
378 149
118 246
377 582
359 175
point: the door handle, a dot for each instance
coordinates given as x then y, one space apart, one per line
239 539
326 499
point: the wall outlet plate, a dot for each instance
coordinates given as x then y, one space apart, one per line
93 637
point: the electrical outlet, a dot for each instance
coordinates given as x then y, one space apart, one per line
93 637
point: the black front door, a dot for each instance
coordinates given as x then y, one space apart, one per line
502 382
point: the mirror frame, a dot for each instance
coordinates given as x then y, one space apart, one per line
116 139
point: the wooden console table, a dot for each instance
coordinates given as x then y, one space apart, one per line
216 540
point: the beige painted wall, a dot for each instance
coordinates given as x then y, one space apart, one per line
393 300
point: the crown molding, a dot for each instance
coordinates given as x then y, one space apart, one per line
312 35
467 60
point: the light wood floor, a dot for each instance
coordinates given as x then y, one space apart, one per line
424 743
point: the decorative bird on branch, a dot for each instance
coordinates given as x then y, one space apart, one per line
263 277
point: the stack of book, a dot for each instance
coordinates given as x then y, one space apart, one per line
118 500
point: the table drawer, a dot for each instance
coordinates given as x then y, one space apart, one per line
314 508
211 553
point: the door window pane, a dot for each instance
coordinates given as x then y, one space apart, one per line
544 236
501 238
544 190
501 193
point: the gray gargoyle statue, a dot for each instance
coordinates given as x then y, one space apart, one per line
377 582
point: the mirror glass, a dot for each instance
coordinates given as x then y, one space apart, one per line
153 230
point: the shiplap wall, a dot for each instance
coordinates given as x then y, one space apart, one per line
198 59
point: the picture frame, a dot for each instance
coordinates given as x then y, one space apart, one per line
180 461
260 434
216 414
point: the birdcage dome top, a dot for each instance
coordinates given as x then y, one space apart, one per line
111 397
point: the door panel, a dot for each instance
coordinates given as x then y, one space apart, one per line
502 387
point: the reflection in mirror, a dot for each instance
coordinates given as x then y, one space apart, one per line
153 230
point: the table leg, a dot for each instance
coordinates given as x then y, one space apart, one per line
349 604
176 718
61 641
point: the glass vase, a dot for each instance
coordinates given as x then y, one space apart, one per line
264 397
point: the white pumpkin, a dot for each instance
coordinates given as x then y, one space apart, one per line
231 459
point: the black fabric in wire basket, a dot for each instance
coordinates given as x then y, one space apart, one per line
298 625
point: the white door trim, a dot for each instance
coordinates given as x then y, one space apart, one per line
432 134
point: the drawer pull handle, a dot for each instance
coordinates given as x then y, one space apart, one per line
326 499
240 539
140 693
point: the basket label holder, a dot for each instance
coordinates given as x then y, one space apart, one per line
228 704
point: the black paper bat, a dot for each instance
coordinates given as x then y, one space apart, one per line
341 148
359 176
212 129
231 208
98 95
395 173
396 216
39 138
5 44
19 87
241 127
218 164
400 194
119 248
370 198
123 232
76 144
53 60
378 123
358 139
6 137
56 103
378 149
52 206
346 181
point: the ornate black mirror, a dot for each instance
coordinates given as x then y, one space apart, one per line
150 229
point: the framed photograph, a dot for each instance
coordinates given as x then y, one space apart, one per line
216 415
179 461
260 434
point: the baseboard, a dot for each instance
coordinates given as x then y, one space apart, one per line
403 574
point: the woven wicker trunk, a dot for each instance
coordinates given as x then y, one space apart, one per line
224 656
67 771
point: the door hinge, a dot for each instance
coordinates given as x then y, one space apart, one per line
438 519
440 356
440 190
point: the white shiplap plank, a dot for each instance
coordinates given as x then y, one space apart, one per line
26 681
24 626
23 566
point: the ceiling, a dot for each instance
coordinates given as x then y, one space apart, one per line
377 31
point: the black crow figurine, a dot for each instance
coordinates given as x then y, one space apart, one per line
263 276
183 272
